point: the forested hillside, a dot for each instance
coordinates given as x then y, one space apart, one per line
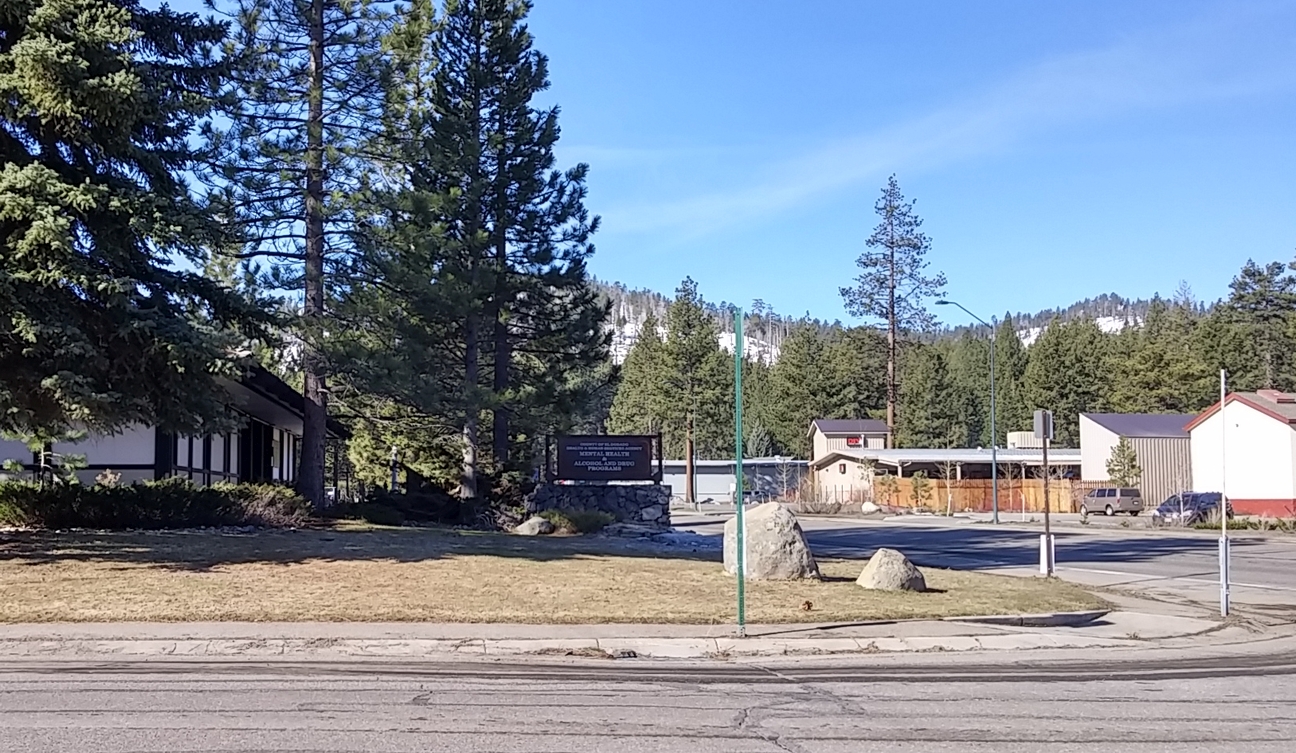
1169 363
766 329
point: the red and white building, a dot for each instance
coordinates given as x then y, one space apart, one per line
1252 440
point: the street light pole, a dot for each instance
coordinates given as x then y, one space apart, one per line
994 434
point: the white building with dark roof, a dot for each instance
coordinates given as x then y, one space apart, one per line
1253 441
265 450
1160 441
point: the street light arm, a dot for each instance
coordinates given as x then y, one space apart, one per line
944 302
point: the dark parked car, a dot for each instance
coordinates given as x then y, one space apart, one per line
1189 508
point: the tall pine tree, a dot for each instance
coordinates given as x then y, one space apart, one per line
699 378
303 105
525 227
894 284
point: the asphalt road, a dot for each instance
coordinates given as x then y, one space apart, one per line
633 706
1263 570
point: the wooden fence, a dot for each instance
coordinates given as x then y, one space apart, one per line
962 496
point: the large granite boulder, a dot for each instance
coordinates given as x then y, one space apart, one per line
775 547
534 526
889 570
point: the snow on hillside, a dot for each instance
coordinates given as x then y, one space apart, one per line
625 333
1108 324
754 349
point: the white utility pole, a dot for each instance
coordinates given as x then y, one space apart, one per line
1223 505
1044 431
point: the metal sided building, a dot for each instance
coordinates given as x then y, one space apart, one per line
1160 441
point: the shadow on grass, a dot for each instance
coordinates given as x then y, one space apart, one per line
203 550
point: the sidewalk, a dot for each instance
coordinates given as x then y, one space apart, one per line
350 641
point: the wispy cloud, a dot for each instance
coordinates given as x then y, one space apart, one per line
1190 63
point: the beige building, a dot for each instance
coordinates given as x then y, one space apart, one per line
959 478
1160 442
829 435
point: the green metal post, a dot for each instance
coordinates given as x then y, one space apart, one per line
738 475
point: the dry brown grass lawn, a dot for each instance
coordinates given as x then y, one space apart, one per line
441 576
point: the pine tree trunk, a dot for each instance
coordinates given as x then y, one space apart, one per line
503 348
500 428
468 477
310 478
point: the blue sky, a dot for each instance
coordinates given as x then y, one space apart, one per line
1056 150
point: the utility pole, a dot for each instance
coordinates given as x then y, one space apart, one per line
1044 431
994 434
740 553
1223 508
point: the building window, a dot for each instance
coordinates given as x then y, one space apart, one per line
841 467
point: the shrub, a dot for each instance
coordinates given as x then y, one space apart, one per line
427 504
380 514
268 505
508 490
170 503
11 514
578 521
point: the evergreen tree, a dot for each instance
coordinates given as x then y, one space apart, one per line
544 318
1067 374
1220 341
1263 301
481 246
1012 412
303 105
893 285
640 405
1123 467
929 399
699 381
1156 370
800 391
856 361
968 359
98 329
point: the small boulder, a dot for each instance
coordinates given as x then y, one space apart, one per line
889 570
775 546
870 508
534 526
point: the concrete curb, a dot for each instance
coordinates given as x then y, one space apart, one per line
431 649
1054 619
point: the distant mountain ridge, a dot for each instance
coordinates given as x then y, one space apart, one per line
764 330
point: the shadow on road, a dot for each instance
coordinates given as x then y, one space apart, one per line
979 548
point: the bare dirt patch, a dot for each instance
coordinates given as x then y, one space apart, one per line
444 576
